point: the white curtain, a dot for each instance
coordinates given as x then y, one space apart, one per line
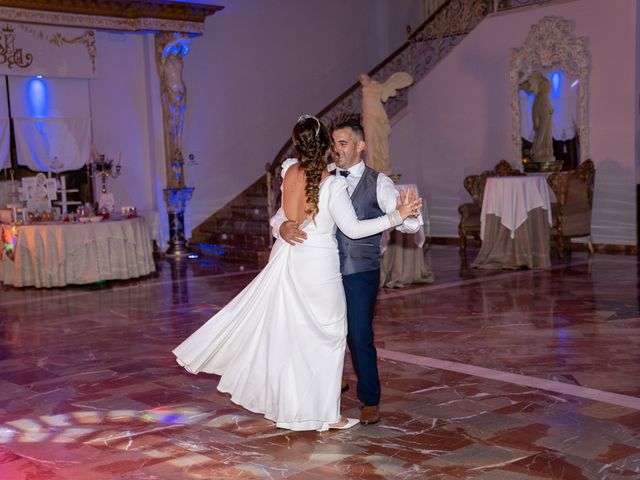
52 122
56 144
5 155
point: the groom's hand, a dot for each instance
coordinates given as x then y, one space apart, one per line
291 234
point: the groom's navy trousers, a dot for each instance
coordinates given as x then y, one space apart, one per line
361 290
360 268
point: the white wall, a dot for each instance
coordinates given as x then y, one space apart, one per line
259 66
121 117
127 117
459 118
394 17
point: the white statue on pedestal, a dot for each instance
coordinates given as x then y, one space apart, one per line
374 117
541 115
171 49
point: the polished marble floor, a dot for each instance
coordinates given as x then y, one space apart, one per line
499 375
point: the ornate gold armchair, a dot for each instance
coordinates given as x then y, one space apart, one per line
572 211
470 212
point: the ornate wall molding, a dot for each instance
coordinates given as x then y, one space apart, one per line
27 49
87 39
551 43
10 55
120 15
185 11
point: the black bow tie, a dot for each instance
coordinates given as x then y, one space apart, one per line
344 173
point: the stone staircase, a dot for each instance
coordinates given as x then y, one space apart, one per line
239 231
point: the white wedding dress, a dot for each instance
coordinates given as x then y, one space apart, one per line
279 344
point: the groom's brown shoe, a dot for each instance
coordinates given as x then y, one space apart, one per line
370 414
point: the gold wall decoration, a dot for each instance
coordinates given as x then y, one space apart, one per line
9 54
88 39
115 15
130 9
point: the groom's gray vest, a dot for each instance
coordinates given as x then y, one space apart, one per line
362 255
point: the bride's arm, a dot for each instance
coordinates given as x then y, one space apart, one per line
279 218
342 212
276 221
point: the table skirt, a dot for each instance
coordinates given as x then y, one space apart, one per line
403 262
529 246
59 255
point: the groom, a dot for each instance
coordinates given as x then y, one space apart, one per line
372 195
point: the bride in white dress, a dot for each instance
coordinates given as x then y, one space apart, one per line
279 345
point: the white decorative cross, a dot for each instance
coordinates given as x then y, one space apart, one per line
63 202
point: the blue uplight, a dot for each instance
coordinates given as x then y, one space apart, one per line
556 84
38 97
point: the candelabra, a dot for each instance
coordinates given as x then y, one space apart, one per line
103 168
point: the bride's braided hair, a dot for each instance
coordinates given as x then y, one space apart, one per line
311 140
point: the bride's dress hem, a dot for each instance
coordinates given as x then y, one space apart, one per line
297 426
191 370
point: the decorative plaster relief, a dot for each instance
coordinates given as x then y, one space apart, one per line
32 50
88 39
100 22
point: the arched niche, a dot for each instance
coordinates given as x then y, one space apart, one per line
551 45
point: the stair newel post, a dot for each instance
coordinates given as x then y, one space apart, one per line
171 48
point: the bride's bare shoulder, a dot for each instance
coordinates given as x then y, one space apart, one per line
295 170
292 171
294 176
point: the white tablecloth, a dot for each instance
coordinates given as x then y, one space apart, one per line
511 198
156 232
54 255
515 221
